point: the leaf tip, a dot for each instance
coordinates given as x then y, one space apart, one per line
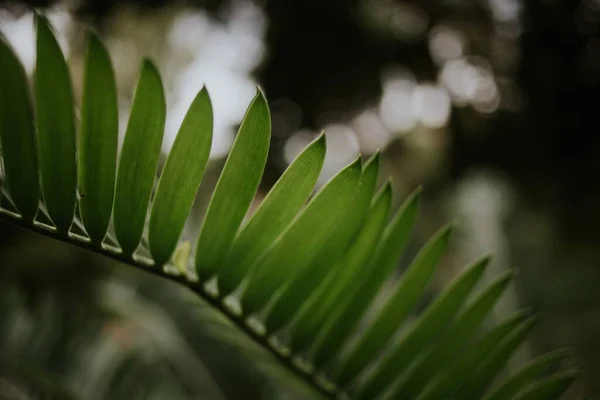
356 164
93 39
530 322
387 187
505 278
259 102
149 66
39 17
373 160
479 266
260 95
446 230
569 374
320 142
415 196
484 260
322 139
561 354
203 92
150 69
43 27
521 315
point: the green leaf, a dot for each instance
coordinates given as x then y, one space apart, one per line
277 210
452 378
98 140
426 328
55 127
235 189
295 249
550 388
286 306
317 269
452 342
410 289
521 379
345 279
482 376
139 158
17 135
341 325
180 179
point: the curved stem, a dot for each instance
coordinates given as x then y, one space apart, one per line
147 265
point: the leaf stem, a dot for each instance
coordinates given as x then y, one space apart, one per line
147 265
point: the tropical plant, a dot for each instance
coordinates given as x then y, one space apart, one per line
298 279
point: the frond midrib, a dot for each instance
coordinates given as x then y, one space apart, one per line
167 271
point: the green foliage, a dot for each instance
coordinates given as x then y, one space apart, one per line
276 211
98 140
236 188
308 274
180 179
55 125
139 158
17 135
344 277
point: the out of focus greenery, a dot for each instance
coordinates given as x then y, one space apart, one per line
506 140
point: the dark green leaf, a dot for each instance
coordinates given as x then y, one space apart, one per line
341 325
526 375
550 388
295 249
55 125
139 158
301 287
482 376
410 289
98 140
235 189
275 213
452 378
180 179
426 328
452 342
334 292
17 135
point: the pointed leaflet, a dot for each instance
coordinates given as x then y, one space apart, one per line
98 140
235 189
333 293
451 379
433 321
139 158
522 378
17 135
180 179
452 342
55 125
550 388
302 286
410 289
275 213
367 283
482 376
294 250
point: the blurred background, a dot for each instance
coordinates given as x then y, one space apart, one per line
491 105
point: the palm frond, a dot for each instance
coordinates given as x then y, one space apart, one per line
303 276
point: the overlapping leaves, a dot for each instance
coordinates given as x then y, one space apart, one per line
309 273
